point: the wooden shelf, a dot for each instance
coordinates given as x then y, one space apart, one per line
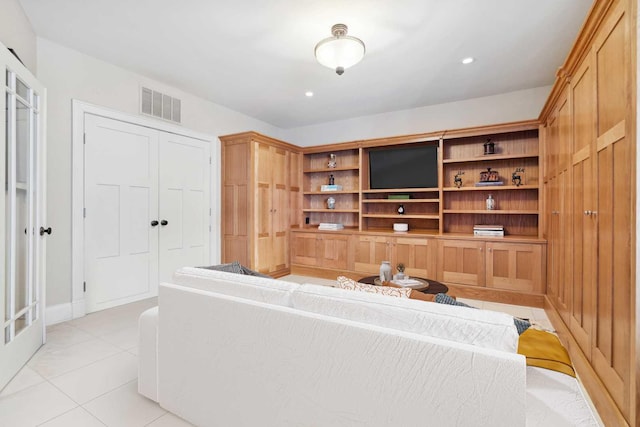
328 193
491 157
396 216
493 212
399 190
494 188
332 210
401 201
329 170
509 237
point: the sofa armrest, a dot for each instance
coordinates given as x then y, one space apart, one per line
148 354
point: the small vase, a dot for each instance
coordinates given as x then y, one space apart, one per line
491 203
331 203
385 271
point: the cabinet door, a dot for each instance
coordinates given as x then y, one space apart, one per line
263 209
583 242
369 252
280 215
333 251
295 189
304 249
461 261
614 214
417 255
515 266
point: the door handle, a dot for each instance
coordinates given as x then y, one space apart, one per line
154 223
164 222
45 230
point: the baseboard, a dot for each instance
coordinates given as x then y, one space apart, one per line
607 409
58 313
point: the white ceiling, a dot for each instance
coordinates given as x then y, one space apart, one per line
256 56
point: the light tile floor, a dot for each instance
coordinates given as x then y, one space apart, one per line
86 373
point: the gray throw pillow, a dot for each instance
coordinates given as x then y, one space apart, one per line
521 324
235 267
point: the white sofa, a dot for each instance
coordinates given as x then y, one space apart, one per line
223 349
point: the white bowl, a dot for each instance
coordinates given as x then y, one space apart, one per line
400 226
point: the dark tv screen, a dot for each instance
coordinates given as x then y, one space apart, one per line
409 167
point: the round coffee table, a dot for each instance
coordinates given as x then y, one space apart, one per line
434 287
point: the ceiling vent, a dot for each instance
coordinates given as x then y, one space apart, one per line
156 104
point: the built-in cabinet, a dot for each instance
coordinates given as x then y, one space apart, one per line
589 208
261 194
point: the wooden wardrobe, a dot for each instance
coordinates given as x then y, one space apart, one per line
589 161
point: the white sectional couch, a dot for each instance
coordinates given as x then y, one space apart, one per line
230 350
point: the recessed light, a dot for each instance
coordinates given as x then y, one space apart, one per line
308 94
468 60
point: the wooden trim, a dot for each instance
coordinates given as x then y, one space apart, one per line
237 138
602 400
427 137
614 134
579 50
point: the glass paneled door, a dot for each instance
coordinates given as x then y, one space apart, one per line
22 229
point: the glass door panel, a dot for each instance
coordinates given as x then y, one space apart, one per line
21 317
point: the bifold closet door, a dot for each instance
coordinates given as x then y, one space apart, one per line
184 203
121 201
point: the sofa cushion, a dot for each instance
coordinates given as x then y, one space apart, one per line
482 328
255 288
352 285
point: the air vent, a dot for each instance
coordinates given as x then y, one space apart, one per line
156 104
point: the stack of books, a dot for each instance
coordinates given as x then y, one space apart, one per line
331 187
330 226
488 230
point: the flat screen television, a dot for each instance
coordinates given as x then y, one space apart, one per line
404 167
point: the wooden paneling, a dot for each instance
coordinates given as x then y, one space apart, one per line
598 195
417 254
369 252
304 249
333 251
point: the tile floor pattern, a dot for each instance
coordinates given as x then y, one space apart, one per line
86 373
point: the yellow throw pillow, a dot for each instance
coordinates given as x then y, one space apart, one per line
352 285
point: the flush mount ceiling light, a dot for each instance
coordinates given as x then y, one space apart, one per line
468 60
340 51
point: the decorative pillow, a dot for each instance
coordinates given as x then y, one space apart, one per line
235 267
346 283
521 324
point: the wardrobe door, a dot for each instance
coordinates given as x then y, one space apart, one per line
121 203
614 212
184 214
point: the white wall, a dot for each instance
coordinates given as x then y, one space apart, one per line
507 107
16 33
68 74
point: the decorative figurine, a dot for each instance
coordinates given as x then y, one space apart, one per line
457 180
332 161
489 147
516 178
331 180
491 203
401 210
331 203
489 176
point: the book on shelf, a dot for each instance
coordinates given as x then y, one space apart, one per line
330 226
489 183
327 187
492 227
495 233
398 196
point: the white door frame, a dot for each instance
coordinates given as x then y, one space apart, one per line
79 109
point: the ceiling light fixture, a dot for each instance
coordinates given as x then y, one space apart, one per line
468 60
340 51
308 94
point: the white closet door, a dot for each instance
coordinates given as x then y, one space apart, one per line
121 201
184 203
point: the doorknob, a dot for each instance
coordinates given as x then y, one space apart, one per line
154 223
164 222
45 230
